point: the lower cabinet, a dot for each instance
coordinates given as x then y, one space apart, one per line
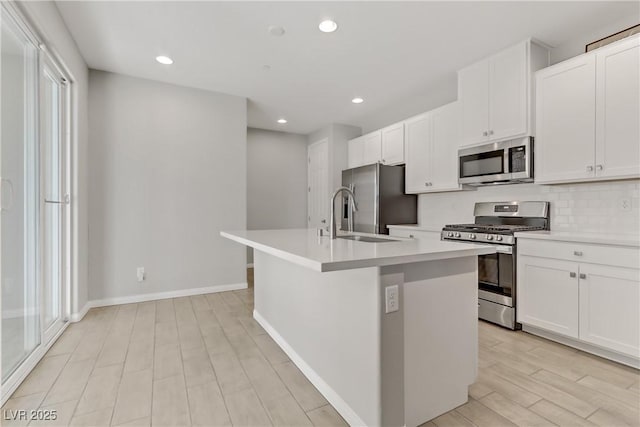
598 304
548 294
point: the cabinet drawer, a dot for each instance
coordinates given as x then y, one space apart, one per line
581 252
414 234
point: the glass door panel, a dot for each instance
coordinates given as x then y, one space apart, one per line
52 136
19 202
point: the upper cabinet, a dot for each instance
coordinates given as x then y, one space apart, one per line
364 150
431 141
495 94
588 116
393 144
382 146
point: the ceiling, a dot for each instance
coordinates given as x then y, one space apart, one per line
383 51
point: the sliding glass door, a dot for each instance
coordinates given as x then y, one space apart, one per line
34 199
54 196
19 199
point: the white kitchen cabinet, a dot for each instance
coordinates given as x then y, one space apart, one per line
618 110
588 116
364 150
496 94
393 144
355 152
431 143
372 147
609 314
586 292
548 294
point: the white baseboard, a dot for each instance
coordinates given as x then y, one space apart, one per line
325 389
586 347
76 317
131 299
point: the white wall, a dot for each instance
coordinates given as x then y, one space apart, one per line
168 172
276 181
587 207
46 18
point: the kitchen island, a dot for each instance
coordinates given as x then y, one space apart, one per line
386 331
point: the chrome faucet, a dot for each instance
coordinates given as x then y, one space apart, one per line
332 232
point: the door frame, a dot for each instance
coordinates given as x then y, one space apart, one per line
47 60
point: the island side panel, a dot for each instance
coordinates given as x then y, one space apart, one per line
440 312
329 325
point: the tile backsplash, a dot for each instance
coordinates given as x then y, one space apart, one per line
586 207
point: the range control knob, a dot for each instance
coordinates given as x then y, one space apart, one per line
489 237
472 236
457 235
499 238
449 234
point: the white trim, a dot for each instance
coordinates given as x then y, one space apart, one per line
586 347
164 295
76 317
350 416
250 265
15 379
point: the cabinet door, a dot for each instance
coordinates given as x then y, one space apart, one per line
508 93
618 110
609 309
444 147
473 93
418 141
372 147
548 294
393 144
565 121
355 152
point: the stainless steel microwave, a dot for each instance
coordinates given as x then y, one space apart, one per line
501 162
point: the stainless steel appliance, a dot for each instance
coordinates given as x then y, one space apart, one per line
495 224
379 195
504 162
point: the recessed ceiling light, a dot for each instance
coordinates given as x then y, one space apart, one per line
282 121
164 60
276 30
357 100
328 26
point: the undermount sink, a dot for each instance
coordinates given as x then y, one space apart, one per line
366 239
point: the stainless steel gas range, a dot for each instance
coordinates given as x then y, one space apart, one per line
495 224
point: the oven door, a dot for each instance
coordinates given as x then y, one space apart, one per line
486 163
496 276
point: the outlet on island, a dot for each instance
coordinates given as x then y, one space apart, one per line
140 274
391 299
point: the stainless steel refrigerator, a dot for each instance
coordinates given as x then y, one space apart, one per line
379 195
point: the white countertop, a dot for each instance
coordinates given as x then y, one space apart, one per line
417 227
304 247
595 238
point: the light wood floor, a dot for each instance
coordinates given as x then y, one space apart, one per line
203 361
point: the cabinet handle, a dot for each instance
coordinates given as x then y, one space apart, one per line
490 132
426 184
324 221
383 160
589 168
485 133
577 253
599 167
583 276
411 236
572 274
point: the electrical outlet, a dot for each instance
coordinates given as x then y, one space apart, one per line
625 205
391 300
140 273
